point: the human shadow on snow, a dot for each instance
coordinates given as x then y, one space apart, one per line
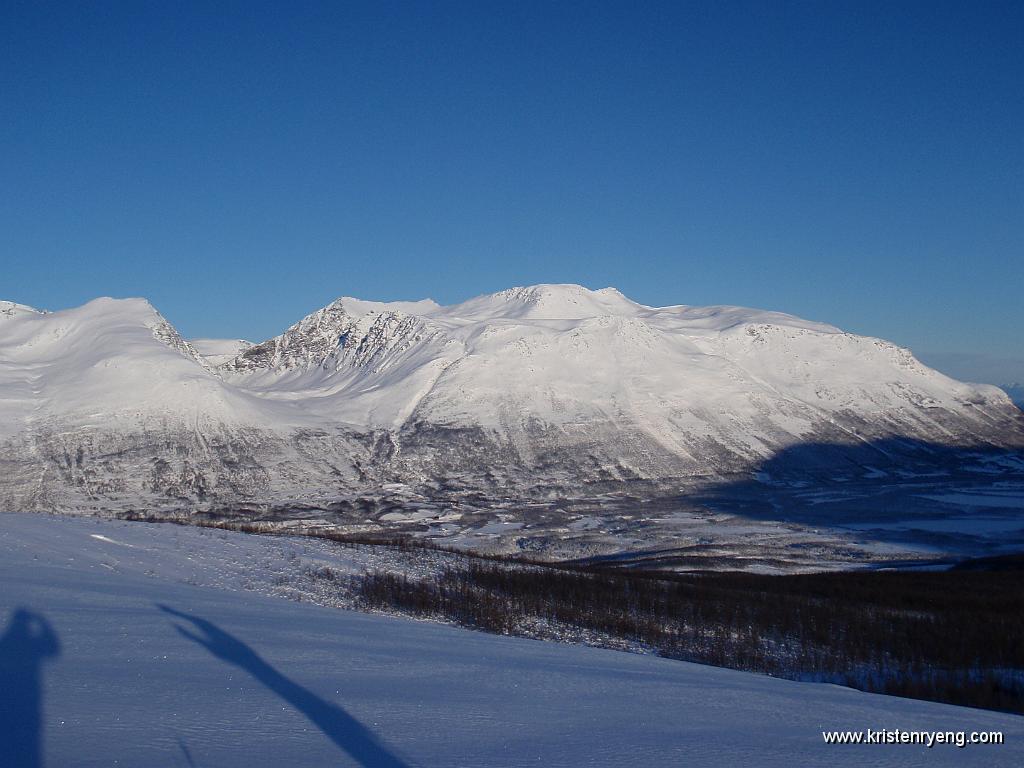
339 726
27 644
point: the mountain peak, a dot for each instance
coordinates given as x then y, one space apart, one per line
359 307
307 343
550 301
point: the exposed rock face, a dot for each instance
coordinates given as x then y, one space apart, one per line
307 344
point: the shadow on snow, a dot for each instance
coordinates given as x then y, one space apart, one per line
897 483
888 491
338 725
28 642
808 481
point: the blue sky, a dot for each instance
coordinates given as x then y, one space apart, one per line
241 164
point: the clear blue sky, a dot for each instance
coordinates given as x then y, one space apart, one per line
241 164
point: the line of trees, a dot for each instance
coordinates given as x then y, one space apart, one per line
952 637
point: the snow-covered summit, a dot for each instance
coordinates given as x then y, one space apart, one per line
359 307
13 309
545 302
318 337
306 343
569 301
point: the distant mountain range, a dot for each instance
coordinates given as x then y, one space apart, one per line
533 392
1016 393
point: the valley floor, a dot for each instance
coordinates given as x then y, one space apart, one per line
157 645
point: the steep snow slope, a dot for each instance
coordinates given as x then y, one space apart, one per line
110 363
550 389
97 672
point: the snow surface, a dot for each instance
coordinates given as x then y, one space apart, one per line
1010 499
154 669
113 362
9 309
220 351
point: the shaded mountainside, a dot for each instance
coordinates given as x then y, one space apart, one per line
537 394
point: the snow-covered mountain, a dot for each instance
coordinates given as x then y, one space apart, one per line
543 389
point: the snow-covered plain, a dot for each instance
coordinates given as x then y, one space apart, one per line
167 647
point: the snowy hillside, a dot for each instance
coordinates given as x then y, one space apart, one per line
133 644
106 404
109 363
564 357
544 392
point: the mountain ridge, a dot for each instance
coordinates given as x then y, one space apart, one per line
550 389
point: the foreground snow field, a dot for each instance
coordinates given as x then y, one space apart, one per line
144 645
